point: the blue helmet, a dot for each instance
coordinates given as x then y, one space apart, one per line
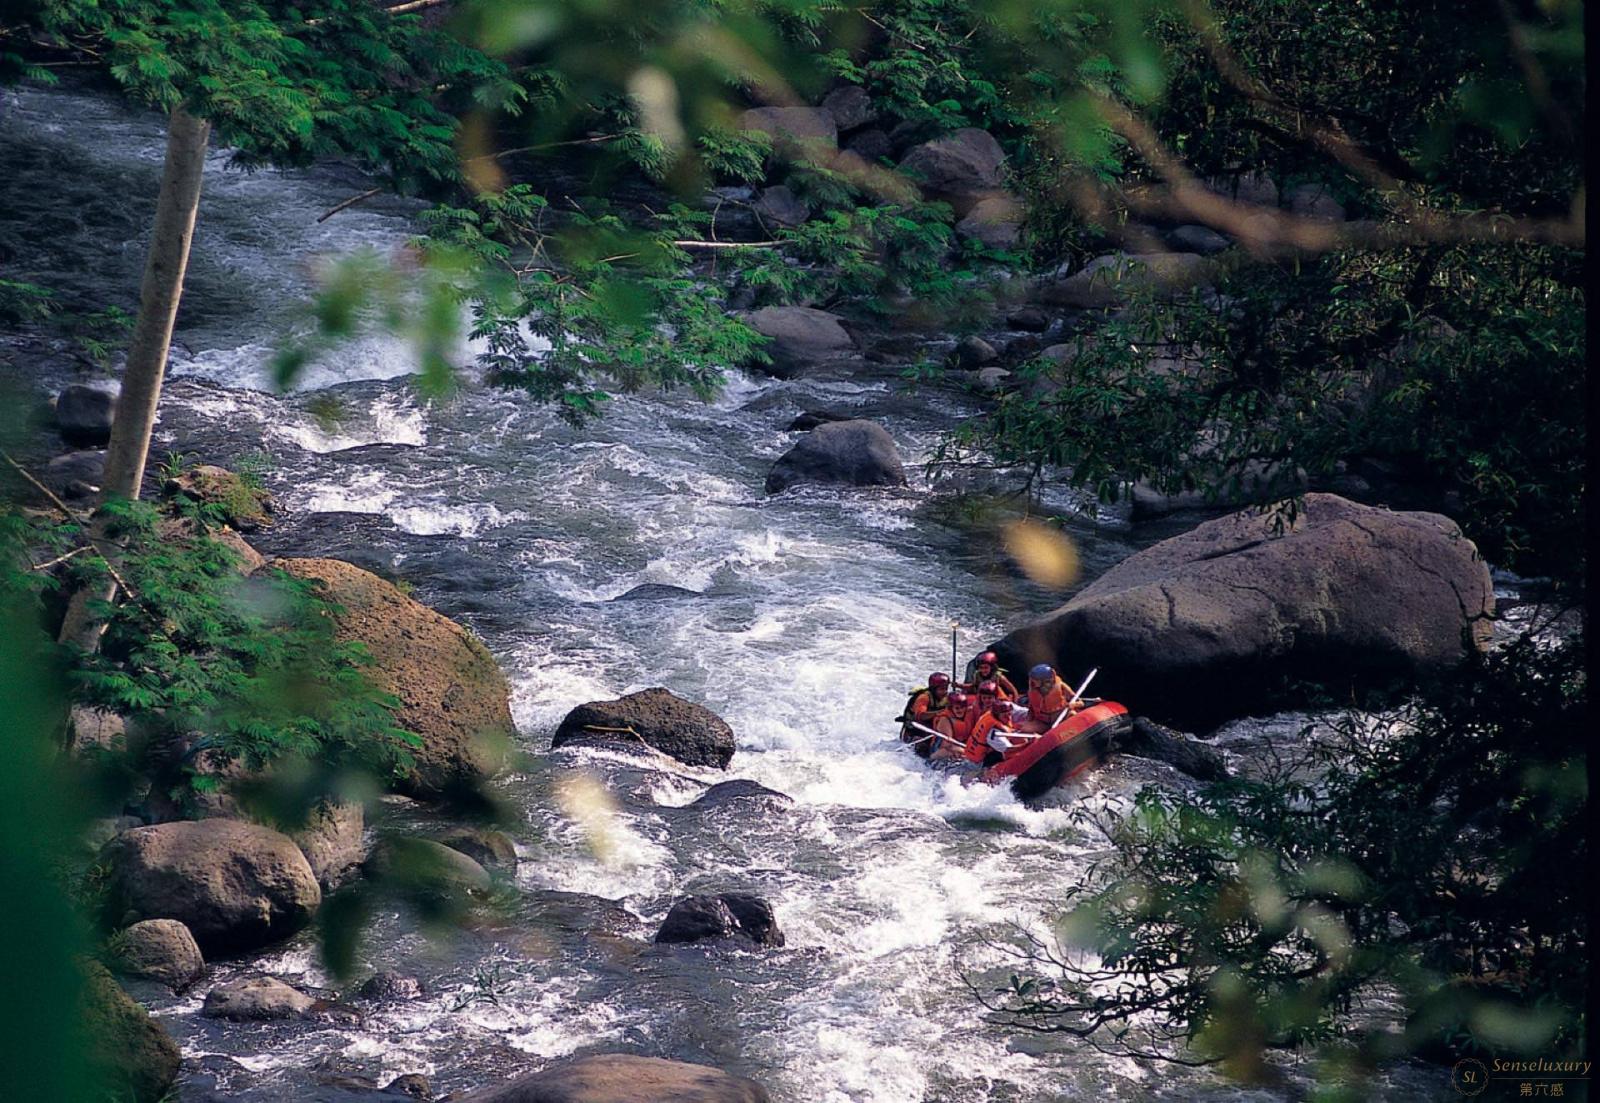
1041 672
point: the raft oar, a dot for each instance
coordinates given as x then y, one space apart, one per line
931 735
1076 697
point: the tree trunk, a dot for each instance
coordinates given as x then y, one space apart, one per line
162 287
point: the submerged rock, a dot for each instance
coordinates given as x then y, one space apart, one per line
1219 621
730 915
386 984
1159 743
738 792
256 999
657 591
237 886
489 848
808 420
160 949
84 412
452 693
75 474
126 1047
855 453
623 1078
657 718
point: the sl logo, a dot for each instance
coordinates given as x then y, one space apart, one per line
1469 1076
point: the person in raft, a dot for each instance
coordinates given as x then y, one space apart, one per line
988 741
988 701
986 668
963 714
1048 698
929 708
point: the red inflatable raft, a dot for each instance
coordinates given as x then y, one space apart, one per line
1082 740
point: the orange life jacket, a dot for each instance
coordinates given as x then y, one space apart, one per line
961 726
923 709
1045 707
978 741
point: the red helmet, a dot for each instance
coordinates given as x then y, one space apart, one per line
938 680
988 658
988 689
1001 708
959 698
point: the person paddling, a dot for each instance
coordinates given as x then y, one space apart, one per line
986 668
932 704
987 743
1048 698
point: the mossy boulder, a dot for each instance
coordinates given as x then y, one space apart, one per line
128 1049
452 693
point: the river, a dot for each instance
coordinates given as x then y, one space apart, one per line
814 611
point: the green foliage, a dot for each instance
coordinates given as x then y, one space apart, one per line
251 663
1429 858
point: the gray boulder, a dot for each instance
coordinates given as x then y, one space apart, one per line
855 453
91 727
973 353
1030 319
735 916
623 1078
1202 240
1147 739
740 792
1107 281
332 840
422 865
1254 188
656 718
782 206
84 412
256 999
237 886
961 168
799 337
75 474
850 107
1314 201
796 131
162 950
995 221
1224 619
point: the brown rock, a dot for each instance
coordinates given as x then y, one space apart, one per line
624 1078
160 949
256 999
331 840
452 693
127 1049
657 718
237 886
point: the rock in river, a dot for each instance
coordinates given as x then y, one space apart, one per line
84 413
799 337
237 886
856 453
1216 622
688 732
126 1047
451 691
256 999
160 949
729 915
624 1078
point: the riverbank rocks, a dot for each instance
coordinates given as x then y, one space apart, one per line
624 1078
161 950
1107 280
84 412
995 221
127 1048
738 916
1220 621
795 131
452 693
237 886
427 866
75 475
332 840
850 106
657 718
854 453
1147 739
799 337
256 999
243 503
961 168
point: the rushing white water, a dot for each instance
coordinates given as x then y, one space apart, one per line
814 611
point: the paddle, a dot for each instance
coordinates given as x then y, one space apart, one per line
1076 697
932 735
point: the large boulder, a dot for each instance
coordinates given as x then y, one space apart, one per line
850 106
428 867
237 886
1219 621
488 847
1147 739
728 916
1108 280
84 412
127 1049
995 221
624 1078
782 206
256 999
75 474
656 717
162 950
855 453
452 693
799 337
961 168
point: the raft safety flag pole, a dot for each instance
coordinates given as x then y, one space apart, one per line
953 626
